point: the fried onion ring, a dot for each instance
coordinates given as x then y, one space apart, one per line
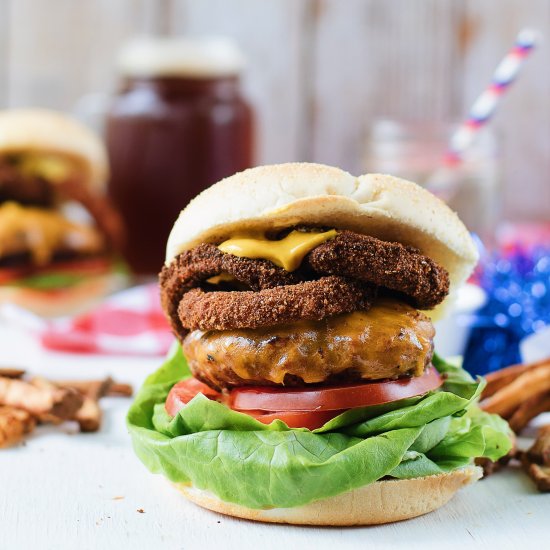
193 267
309 300
351 266
388 264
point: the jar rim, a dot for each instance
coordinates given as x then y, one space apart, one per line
204 57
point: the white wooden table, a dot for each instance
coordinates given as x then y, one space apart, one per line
89 491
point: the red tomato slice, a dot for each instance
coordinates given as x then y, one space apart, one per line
313 407
184 391
254 398
8 275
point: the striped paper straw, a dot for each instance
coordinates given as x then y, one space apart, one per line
486 104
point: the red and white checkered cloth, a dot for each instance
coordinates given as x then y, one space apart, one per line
130 322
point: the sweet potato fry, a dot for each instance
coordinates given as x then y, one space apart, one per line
14 424
501 378
528 410
527 385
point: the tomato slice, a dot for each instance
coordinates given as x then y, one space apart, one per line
304 408
8 275
331 398
184 391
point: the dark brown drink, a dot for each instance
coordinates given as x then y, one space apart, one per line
170 137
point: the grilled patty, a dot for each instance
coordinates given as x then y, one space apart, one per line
390 340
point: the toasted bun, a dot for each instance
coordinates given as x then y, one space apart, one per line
67 301
41 130
273 197
380 502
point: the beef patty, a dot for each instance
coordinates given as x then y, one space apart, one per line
390 340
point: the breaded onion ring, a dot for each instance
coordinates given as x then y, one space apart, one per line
391 265
193 267
310 300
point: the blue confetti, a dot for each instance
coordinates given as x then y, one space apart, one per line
518 290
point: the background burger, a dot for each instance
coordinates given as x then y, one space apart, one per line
305 388
58 232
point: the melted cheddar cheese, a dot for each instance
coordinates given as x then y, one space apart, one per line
42 232
49 167
287 252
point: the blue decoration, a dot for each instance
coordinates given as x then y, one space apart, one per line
517 283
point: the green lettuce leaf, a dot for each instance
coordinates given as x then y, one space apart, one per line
50 281
259 466
53 280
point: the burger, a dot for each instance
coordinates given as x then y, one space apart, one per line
58 232
304 387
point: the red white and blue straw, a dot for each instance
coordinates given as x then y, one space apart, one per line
485 105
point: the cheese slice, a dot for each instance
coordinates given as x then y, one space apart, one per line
42 232
49 167
287 252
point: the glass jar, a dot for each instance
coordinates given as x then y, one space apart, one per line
178 124
414 150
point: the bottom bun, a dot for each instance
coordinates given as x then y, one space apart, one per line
379 502
66 301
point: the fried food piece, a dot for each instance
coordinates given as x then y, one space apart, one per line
388 341
540 475
501 378
119 389
532 382
14 424
95 389
536 461
191 268
361 260
540 451
348 255
310 300
387 264
89 415
40 398
11 372
528 410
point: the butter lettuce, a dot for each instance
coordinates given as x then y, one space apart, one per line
259 466
56 280
50 281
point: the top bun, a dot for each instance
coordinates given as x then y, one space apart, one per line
279 196
45 131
